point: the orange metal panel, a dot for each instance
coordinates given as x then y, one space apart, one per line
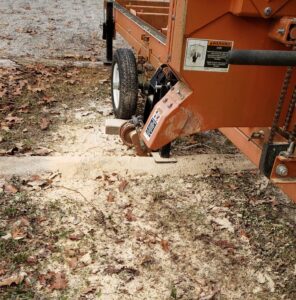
244 97
263 8
153 50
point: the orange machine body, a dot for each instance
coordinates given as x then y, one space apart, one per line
188 36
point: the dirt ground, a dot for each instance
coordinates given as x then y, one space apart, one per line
81 217
68 29
96 222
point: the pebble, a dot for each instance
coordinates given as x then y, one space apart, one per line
86 259
261 278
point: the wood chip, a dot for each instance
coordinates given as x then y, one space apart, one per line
44 123
59 281
122 186
165 245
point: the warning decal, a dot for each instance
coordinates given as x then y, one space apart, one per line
207 55
152 125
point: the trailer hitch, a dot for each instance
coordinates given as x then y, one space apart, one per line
262 58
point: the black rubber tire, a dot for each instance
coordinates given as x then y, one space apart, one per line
128 84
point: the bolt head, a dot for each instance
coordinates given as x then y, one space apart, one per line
282 170
267 11
281 31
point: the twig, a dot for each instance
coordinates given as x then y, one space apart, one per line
92 148
77 192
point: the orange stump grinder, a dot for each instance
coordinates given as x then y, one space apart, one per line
226 64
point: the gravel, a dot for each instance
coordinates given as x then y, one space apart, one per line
52 29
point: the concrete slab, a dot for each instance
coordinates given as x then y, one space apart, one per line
112 126
160 160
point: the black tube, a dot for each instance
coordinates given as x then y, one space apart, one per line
262 57
165 151
109 31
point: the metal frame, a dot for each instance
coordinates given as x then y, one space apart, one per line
241 102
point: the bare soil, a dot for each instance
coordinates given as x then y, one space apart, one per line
89 231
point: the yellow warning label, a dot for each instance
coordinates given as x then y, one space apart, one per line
220 43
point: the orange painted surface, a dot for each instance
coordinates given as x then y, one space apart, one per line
245 97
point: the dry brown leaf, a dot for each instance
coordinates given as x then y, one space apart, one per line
165 245
110 197
39 183
2 271
72 262
14 279
32 260
224 244
49 99
122 186
18 233
35 178
44 123
41 151
130 216
76 236
12 150
11 189
36 89
60 281
13 120
3 92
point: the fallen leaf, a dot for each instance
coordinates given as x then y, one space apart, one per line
48 99
130 216
110 197
44 123
110 270
100 217
41 151
14 279
32 260
14 120
244 236
18 234
86 259
59 281
72 262
147 260
39 183
122 186
165 245
224 244
224 223
88 127
76 236
11 189
12 150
